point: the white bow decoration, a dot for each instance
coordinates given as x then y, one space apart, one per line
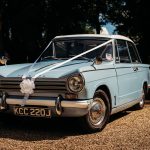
27 86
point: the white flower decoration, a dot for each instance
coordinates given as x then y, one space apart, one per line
27 86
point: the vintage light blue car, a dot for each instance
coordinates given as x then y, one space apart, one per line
86 76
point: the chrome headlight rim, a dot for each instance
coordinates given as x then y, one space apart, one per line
81 78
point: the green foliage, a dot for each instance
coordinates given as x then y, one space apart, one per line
28 25
131 18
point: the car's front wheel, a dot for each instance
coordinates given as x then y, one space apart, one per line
99 112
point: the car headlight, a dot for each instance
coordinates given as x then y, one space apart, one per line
75 83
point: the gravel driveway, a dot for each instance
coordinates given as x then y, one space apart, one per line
126 130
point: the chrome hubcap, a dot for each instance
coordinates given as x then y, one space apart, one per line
97 111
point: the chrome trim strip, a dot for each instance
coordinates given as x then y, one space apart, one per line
49 103
124 106
76 104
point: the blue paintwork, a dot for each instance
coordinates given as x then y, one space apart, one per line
21 69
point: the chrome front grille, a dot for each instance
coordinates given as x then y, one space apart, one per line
10 84
49 85
41 85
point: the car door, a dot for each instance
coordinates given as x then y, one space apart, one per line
137 67
126 73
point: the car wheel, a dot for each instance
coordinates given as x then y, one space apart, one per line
140 105
98 114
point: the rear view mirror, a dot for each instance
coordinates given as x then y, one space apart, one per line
3 60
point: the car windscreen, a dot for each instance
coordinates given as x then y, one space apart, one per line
68 48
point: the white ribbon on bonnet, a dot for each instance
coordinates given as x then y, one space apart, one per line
28 85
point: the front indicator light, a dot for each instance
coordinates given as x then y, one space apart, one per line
71 96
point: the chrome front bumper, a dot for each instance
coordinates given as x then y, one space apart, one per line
69 108
50 103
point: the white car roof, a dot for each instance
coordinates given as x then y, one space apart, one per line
121 37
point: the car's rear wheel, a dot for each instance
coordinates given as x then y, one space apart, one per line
140 105
98 114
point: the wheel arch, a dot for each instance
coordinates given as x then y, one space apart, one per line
145 86
107 91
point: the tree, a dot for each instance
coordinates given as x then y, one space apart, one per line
131 19
28 26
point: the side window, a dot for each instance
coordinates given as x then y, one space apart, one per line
123 51
133 53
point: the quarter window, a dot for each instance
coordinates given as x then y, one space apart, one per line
133 53
123 51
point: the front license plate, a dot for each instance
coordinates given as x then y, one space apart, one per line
31 111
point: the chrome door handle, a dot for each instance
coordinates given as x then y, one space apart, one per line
135 69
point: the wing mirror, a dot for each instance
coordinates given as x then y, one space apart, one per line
98 60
